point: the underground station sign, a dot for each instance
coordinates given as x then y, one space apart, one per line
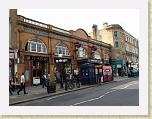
36 58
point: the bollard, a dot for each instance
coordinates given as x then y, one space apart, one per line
51 86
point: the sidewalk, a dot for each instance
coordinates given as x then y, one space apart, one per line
37 92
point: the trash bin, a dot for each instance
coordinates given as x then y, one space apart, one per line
51 86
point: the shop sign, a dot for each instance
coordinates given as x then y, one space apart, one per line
36 58
118 65
11 55
94 61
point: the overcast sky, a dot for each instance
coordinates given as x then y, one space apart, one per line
72 19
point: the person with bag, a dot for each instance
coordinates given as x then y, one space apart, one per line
22 82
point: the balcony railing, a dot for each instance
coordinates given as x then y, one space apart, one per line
40 24
33 22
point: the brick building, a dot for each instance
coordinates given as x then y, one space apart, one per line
37 48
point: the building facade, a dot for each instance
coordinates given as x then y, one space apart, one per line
40 48
125 49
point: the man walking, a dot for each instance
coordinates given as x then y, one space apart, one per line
44 80
22 81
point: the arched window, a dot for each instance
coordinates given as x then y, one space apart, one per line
96 55
62 49
36 45
82 52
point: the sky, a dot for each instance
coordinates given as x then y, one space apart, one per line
72 19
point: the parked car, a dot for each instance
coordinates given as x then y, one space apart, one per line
135 72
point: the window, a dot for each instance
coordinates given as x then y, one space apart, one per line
39 47
96 55
116 44
82 52
106 57
115 35
62 49
36 45
33 47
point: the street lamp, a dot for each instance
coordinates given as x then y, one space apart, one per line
130 63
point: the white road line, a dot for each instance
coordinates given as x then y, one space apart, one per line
104 94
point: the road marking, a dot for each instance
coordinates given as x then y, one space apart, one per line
56 97
113 90
125 85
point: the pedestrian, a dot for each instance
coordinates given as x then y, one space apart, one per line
16 78
58 76
44 79
10 86
22 82
64 78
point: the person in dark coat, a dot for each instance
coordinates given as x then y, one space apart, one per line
44 78
10 86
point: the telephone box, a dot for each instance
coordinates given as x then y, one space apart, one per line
107 73
87 74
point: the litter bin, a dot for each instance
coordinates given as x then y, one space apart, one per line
51 86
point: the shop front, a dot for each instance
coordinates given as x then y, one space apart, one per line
119 67
63 64
35 67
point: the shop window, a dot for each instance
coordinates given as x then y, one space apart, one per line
36 45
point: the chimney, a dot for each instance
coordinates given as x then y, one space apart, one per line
105 25
95 30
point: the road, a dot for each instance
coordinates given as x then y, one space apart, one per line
116 93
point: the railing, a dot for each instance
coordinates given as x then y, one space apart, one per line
33 22
60 30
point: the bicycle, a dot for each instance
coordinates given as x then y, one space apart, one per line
69 84
77 81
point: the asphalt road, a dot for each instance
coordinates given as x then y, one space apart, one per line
116 93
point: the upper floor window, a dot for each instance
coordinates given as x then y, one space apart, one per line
62 49
82 52
36 45
116 44
115 34
96 55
